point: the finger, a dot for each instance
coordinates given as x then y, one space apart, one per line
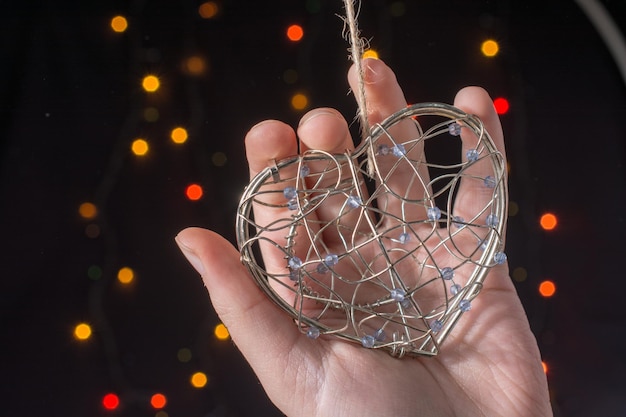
476 191
404 179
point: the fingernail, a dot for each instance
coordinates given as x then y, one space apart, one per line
191 256
318 112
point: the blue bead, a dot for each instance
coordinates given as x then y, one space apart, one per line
404 237
406 303
294 275
436 326
305 171
313 332
292 204
322 269
472 155
331 259
458 221
398 150
368 341
455 289
383 149
380 335
490 182
295 263
465 306
290 193
433 213
447 273
500 258
492 220
354 201
454 129
398 294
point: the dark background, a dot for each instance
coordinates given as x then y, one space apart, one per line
71 104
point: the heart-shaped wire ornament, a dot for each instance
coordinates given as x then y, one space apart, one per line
379 246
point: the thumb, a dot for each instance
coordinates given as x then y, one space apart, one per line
259 328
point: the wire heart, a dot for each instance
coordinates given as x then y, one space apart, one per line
379 246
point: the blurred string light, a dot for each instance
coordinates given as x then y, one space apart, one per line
397 9
92 231
513 208
547 288
290 76
221 332
501 105
125 275
82 331
140 147
110 401
199 380
195 65
208 10
194 192
179 135
544 365
548 221
295 33
184 355
161 413
94 272
87 210
519 274
158 401
299 101
151 114
219 159
490 48
151 83
370 53
119 24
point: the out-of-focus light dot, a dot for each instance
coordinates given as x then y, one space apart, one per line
119 24
502 105
158 400
221 332
490 48
544 365
82 331
199 380
219 159
513 209
548 221
370 53
519 274
150 83
87 210
94 272
299 101
179 135
195 65
125 275
208 10
397 9
110 401
92 231
194 192
547 288
184 355
290 76
295 33
151 114
140 147
161 413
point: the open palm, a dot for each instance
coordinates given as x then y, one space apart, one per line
490 364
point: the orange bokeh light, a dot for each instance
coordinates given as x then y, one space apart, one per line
545 367
194 192
158 401
548 221
119 24
295 33
547 288
208 10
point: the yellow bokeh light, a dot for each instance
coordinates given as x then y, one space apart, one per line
140 147
199 380
151 83
82 331
208 10
221 332
490 48
179 135
299 101
88 210
370 53
119 24
125 275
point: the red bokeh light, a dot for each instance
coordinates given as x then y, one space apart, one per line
110 401
502 105
194 192
158 401
295 33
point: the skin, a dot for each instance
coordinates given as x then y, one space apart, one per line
490 365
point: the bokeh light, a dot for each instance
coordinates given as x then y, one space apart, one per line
140 147
199 380
513 208
184 355
208 10
219 159
82 331
125 275
519 274
370 53
87 210
179 135
151 83
94 272
502 105
194 192
92 231
490 48
290 76
295 33
221 332
544 365
195 65
397 9
548 221
299 101
151 114
110 401
119 24
158 401
547 289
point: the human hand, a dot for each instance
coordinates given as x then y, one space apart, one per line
489 366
